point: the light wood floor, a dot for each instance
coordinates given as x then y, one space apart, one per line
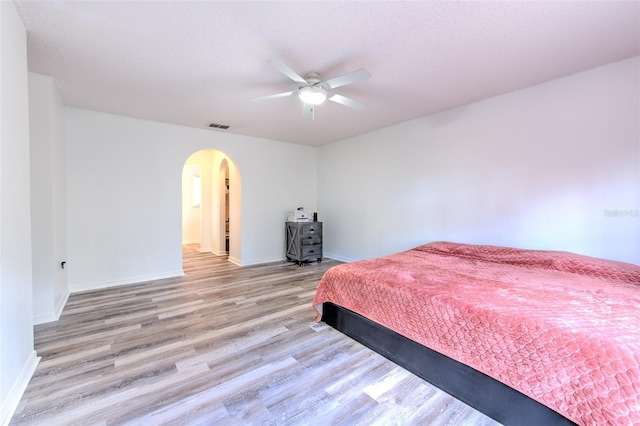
221 345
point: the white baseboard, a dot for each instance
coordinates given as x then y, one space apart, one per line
53 316
10 403
338 258
61 303
43 319
235 261
125 281
255 261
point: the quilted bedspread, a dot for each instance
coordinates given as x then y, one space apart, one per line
562 328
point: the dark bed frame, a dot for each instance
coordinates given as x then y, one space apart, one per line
484 393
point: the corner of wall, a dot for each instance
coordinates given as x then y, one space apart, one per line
18 358
12 399
55 316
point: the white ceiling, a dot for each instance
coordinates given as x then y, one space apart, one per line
193 63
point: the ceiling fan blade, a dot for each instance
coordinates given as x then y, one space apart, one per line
279 95
347 102
349 78
280 66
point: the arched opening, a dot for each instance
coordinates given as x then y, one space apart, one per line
224 203
211 204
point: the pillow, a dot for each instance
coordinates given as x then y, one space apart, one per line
598 268
496 254
545 259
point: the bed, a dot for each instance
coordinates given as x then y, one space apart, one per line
525 336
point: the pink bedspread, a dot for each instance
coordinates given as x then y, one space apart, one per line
562 328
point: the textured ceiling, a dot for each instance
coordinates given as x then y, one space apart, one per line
192 63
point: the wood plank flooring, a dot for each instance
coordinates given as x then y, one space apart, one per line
222 345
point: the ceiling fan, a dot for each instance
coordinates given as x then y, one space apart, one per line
313 91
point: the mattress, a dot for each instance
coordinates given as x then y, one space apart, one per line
562 328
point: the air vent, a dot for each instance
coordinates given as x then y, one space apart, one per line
219 126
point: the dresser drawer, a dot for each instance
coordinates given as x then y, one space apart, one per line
311 229
312 251
310 240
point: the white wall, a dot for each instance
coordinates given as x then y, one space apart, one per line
124 195
48 198
190 212
536 168
17 357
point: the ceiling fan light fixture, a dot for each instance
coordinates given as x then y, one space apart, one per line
312 95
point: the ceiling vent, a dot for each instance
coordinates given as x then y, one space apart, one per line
219 126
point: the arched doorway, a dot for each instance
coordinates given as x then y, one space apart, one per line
224 202
211 204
